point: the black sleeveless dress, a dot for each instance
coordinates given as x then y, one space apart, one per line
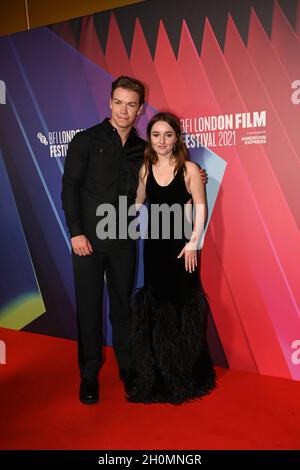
169 314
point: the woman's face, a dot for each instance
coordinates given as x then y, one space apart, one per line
163 138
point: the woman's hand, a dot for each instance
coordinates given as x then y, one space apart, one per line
190 257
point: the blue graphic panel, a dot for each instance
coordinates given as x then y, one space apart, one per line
19 288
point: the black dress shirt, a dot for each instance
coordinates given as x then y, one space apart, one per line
98 169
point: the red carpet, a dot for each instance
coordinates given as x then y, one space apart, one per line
39 407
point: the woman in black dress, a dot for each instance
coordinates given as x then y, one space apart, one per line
172 360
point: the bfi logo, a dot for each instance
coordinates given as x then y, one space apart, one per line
2 92
2 352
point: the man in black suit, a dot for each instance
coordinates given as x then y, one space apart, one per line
103 163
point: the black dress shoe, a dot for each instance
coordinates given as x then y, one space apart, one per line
89 391
128 377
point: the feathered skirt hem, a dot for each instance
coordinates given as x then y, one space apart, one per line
171 357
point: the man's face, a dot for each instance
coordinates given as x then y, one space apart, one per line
125 107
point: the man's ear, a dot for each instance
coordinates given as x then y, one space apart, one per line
110 103
140 109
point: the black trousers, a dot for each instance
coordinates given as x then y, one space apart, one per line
118 261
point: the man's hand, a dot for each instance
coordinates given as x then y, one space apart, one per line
203 176
81 245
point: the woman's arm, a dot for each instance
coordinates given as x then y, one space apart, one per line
197 189
141 190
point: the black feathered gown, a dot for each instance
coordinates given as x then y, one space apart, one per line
170 312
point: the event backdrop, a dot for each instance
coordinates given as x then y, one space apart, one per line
231 71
